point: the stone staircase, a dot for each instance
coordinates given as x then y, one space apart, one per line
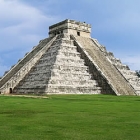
21 69
130 76
112 75
60 70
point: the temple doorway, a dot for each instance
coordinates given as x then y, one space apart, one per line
10 90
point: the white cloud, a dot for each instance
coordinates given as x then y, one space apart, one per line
21 14
21 28
19 20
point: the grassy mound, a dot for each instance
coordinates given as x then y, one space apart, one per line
72 117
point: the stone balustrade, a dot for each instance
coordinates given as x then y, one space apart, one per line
112 76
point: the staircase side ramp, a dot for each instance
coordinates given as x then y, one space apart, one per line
114 78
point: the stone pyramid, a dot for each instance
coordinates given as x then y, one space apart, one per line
69 61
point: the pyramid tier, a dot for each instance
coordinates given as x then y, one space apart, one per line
73 90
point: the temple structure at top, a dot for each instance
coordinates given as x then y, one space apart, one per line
70 27
70 61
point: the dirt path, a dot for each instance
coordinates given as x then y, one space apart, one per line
28 96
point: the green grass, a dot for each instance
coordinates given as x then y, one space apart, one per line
70 117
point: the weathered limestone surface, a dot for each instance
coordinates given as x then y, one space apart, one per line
130 76
70 27
60 70
18 72
113 76
70 62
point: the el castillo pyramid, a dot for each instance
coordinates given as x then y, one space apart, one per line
69 61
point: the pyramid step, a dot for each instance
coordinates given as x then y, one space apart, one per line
69 60
70 54
73 90
58 67
77 57
58 90
68 47
57 76
72 68
71 76
73 82
29 90
68 63
63 41
32 82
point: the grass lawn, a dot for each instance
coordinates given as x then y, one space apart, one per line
70 117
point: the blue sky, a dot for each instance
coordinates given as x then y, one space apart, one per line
115 24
